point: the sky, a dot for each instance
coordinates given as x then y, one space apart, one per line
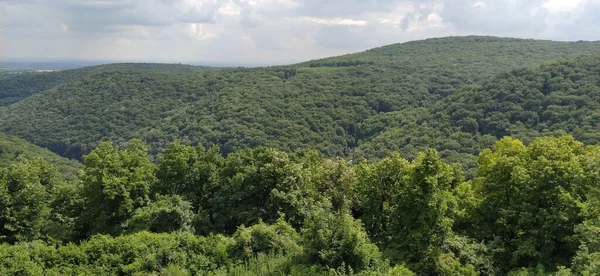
266 32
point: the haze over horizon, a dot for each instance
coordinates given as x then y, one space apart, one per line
268 32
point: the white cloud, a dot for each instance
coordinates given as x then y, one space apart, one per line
200 32
334 21
555 6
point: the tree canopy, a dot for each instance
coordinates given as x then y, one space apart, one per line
530 209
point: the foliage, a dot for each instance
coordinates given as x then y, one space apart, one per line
11 148
278 239
27 189
165 214
351 165
367 105
533 199
17 87
337 240
115 183
530 210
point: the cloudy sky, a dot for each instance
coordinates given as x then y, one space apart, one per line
268 31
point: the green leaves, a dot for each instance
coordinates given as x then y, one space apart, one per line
115 183
337 240
533 199
27 191
532 209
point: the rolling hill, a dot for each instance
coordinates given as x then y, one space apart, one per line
553 99
524 207
362 105
15 87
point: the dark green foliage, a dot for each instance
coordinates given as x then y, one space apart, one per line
419 209
379 183
373 104
552 99
587 259
257 184
17 87
190 172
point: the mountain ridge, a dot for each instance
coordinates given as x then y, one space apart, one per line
330 104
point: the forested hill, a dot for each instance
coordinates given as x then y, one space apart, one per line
16 87
468 59
13 148
551 99
339 106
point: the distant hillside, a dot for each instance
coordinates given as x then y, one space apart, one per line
361 104
12 147
445 61
548 100
16 87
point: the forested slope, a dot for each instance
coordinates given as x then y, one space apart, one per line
333 105
551 99
16 87
13 148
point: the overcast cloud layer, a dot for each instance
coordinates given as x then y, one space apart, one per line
268 31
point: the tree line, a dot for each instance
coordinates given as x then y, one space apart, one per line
530 210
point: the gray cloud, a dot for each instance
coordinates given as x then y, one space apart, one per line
271 31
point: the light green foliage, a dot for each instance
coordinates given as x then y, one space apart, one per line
531 210
115 183
336 240
27 191
136 254
400 270
533 198
277 239
420 206
165 214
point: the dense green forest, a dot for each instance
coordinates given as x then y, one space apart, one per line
20 85
530 210
551 99
447 156
341 106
